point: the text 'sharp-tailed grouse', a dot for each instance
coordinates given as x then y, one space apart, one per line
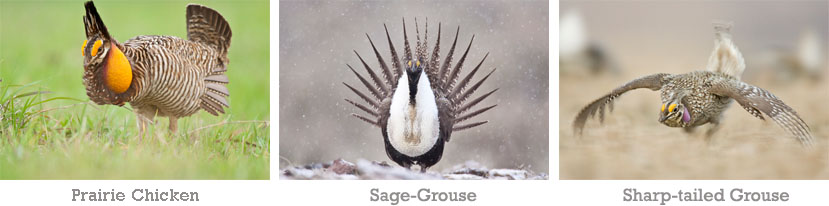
417 111
696 98
159 75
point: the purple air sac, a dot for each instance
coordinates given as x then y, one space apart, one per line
686 117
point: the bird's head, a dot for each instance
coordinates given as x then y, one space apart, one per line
105 58
674 113
413 70
108 73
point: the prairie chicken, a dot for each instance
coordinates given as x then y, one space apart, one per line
418 111
696 98
159 75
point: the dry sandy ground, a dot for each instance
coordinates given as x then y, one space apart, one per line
631 144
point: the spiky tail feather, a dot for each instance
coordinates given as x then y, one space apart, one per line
93 23
725 58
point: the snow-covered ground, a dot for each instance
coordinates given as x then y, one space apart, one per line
364 169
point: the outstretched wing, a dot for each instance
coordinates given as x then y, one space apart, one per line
653 82
756 100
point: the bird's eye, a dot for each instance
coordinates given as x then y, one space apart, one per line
672 108
96 47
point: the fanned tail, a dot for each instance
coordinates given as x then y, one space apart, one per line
725 58
452 88
207 26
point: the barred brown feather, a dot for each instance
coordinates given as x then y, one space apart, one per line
172 77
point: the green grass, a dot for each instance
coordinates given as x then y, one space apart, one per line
50 130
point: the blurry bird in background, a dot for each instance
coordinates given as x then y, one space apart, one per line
807 61
577 53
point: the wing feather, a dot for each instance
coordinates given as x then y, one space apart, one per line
653 82
755 100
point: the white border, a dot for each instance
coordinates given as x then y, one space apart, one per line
275 191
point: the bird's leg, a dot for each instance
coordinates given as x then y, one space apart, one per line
407 165
422 169
173 124
142 125
144 118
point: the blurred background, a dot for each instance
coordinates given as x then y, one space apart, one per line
605 44
41 41
316 42
68 137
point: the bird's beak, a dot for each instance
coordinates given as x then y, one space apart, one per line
414 74
663 118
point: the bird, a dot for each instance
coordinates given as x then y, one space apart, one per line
420 100
806 61
578 52
164 76
696 98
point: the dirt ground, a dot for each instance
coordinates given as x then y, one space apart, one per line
632 144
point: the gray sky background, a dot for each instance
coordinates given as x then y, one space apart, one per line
317 39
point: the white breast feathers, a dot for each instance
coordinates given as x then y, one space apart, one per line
413 129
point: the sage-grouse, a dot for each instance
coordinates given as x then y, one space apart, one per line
417 111
159 75
696 98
